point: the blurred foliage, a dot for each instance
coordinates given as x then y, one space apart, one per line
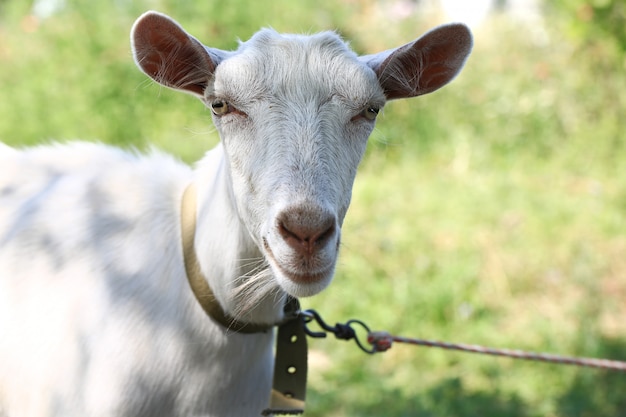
599 24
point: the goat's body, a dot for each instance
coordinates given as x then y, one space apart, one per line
95 309
97 318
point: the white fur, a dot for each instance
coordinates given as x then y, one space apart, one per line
96 315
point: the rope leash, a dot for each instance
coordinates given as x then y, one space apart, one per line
382 341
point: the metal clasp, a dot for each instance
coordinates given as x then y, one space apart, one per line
343 331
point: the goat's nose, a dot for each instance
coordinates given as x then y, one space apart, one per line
306 232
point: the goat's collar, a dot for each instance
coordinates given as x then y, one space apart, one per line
289 389
199 285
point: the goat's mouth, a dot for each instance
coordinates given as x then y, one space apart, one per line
301 281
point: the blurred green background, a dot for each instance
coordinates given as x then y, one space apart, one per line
490 212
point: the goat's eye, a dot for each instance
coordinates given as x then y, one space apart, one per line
370 113
220 107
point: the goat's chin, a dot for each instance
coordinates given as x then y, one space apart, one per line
303 285
300 280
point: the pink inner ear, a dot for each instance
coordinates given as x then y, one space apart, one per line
166 53
434 78
414 72
438 68
425 65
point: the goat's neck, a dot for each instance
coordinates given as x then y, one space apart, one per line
227 254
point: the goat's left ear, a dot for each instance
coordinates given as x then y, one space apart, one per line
170 56
424 65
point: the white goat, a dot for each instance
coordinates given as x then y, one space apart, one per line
96 315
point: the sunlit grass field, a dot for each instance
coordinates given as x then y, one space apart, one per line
490 212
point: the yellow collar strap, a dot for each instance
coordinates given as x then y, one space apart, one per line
199 285
290 367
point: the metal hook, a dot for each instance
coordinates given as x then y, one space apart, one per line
341 331
312 315
371 350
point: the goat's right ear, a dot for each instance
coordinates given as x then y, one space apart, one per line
170 56
424 65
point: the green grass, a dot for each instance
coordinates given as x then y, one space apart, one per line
491 212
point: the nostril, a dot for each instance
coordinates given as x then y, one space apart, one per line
306 233
323 236
286 233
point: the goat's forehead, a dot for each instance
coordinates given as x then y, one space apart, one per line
323 63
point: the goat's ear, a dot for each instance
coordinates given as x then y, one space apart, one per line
424 65
169 55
